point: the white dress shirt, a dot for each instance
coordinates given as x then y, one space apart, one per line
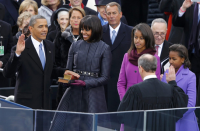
36 45
149 77
160 49
116 30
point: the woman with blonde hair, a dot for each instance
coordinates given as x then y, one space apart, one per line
29 6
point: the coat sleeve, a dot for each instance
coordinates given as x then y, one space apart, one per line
191 91
12 65
178 21
105 71
70 58
122 81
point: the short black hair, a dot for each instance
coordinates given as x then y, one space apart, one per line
91 22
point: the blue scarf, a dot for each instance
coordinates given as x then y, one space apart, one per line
102 21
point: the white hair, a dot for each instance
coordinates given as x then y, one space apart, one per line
62 13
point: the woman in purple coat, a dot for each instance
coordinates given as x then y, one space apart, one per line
142 42
185 79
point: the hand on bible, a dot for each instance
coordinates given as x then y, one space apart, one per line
20 44
171 75
68 72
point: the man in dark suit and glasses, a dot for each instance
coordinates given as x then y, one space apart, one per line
118 36
33 60
159 28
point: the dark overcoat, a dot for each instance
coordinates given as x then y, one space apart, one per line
90 57
118 49
32 82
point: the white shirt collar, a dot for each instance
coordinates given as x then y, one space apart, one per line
116 29
149 77
36 43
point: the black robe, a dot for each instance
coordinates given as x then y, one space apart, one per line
148 95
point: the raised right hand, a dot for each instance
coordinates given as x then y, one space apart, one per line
20 44
186 4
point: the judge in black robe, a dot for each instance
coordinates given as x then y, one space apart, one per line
152 94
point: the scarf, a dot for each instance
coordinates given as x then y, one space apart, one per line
82 5
169 24
102 21
193 41
133 56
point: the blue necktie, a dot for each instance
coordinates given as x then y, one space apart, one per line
41 53
113 36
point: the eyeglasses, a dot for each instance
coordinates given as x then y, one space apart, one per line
161 34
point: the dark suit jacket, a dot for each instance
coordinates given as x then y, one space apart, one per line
2 11
118 49
176 33
165 50
186 21
11 13
32 82
7 41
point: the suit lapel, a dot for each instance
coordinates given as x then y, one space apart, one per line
164 52
48 55
120 36
106 36
32 53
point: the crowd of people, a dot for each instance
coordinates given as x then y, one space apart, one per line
118 67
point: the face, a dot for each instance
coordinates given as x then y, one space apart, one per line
30 9
39 30
52 2
63 20
102 10
175 60
139 41
75 3
86 34
159 31
75 19
113 16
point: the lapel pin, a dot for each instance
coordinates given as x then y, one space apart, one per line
49 51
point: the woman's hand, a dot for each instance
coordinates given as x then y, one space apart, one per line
68 72
171 75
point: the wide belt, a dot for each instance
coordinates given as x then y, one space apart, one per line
86 73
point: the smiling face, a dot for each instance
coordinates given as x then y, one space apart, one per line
175 60
75 19
139 41
113 16
102 11
75 3
63 20
86 34
39 30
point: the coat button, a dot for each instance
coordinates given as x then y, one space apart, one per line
135 71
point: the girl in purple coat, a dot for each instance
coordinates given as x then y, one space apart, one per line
142 42
185 79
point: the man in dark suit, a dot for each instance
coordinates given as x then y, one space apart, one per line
188 17
5 48
33 60
153 94
159 28
118 36
101 6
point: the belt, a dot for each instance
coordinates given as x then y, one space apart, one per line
86 73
